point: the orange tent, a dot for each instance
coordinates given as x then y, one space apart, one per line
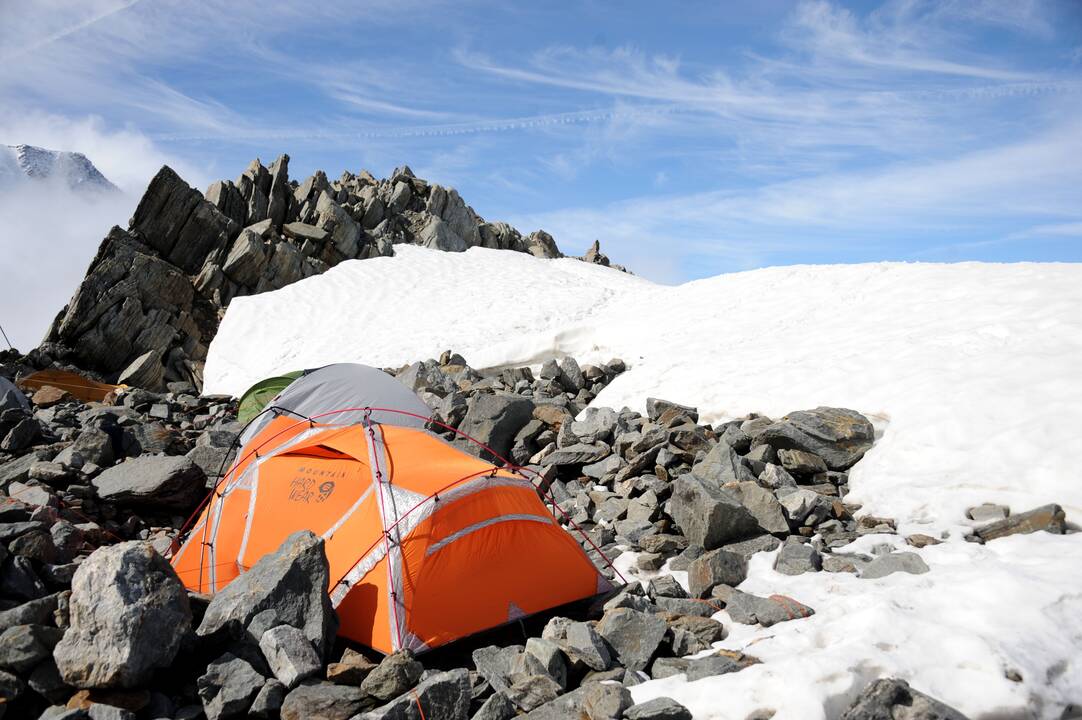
426 544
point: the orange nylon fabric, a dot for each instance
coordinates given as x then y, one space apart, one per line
471 546
76 385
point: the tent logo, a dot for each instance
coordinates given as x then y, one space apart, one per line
325 490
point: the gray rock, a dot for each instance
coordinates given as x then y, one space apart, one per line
655 408
700 668
837 435
571 376
441 696
268 702
1049 518
45 680
749 609
661 708
495 664
907 562
634 636
799 461
344 230
153 481
289 654
717 567
128 612
799 503
988 512
395 674
24 646
549 658
246 259
34 612
400 197
577 454
21 436
530 692
494 420
19 580
228 688
762 505
893 699
709 516
606 701
280 194
580 642
497 707
302 231
292 581
665 667
796 558
102 711
438 235
314 700
723 465
775 476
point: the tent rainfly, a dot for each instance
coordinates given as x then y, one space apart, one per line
426 544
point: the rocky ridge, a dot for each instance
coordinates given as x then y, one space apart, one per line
93 623
154 294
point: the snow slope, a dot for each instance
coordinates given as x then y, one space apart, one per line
971 373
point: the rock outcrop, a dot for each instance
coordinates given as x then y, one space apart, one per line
154 294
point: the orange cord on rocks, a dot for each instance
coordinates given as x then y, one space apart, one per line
418 701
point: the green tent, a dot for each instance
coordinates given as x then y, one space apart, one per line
259 395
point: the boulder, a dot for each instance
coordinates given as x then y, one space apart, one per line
228 688
655 408
315 700
441 696
128 615
292 581
837 435
344 231
289 655
493 419
634 636
24 646
605 701
495 664
438 235
246 259
529 692
723 465
394 675
749 609
893 699
1049 518
796 558
580 642
907 562
762 504
708 515
716 567
167 481
268 701
302 231
660 708
801 462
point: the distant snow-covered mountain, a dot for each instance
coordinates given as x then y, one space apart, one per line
21 163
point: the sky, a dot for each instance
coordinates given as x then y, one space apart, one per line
690 139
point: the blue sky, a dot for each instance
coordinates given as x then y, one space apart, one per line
691 138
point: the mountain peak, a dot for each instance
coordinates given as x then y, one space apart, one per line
19 163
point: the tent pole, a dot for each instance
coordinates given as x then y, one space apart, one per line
10 347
